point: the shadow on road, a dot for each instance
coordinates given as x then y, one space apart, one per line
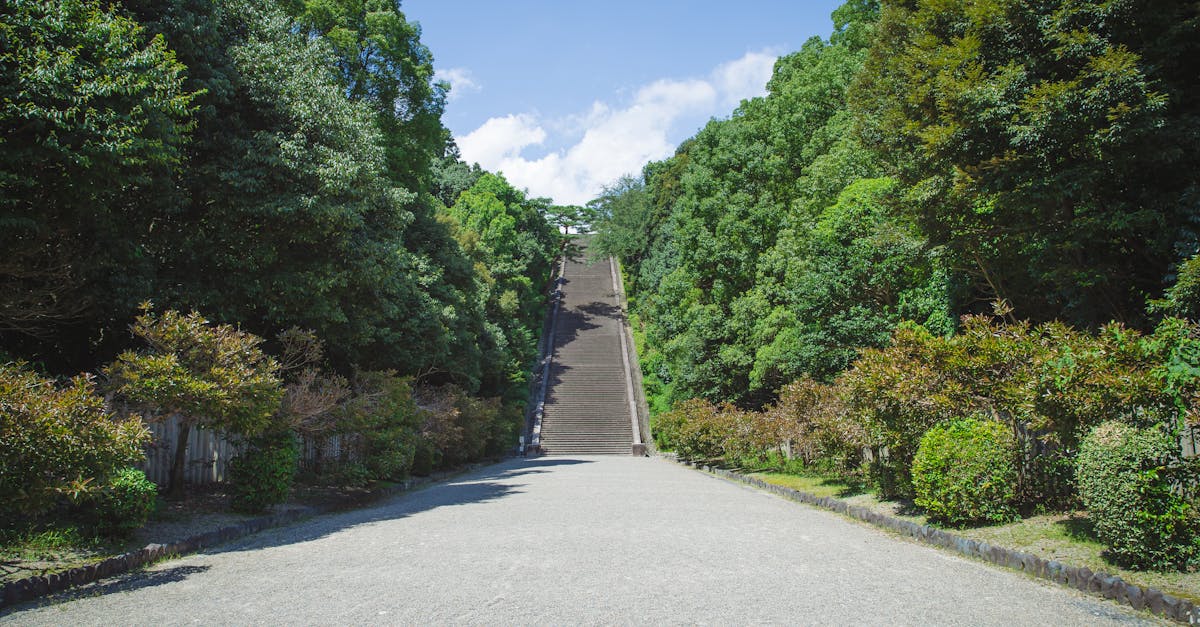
127 582
483 485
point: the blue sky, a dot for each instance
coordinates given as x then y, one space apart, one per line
564 97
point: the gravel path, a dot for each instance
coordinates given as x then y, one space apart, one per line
592 540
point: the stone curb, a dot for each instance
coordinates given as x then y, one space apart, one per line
30 588
1080 578
37 586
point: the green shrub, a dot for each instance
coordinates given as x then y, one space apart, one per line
965 472
665 428
701 430
57 442
425 458
1136 489
379 425
263 474
123 504
211 376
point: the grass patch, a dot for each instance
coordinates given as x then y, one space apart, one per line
1066 537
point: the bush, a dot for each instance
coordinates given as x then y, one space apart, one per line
813 417
700 430
1136 489
211 376
263 474
123 504
379 425
57 442
965 472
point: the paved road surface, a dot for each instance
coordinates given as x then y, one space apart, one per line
588 540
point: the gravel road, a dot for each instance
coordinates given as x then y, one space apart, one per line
586 540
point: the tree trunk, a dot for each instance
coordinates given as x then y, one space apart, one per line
175 485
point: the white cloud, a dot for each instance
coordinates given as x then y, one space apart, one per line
501 138
744 78
462 82
613 140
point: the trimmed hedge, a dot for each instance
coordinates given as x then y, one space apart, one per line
1131 481
965 472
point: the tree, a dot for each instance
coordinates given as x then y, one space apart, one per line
58 441
513 246
625 220
93 118
382 62
1051 146
214 377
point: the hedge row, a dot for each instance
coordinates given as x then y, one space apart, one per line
987 425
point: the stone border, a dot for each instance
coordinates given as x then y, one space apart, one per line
37 586
31 588
1080 578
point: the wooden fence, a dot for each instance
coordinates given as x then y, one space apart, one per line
209 453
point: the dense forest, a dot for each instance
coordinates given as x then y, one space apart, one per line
268 166
949 258
248 216
926 161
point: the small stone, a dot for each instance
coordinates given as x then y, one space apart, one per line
1186 612
1068 575
998 555
1112 587
1083 578
1095 583
1170 606
1154 600
1135 597
971 547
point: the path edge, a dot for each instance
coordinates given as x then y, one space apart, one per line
35 587
1097 584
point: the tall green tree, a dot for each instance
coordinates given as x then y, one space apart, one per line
513 246
1051 145
286 214
93 114
382 62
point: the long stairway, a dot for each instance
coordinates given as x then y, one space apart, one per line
587 406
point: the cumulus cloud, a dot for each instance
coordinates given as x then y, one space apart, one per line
462 82
613 140
745 77
500 139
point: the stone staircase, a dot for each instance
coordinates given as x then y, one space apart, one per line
587 405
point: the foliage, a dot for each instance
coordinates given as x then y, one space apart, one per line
1140 496
696 429
217 377
458 428
122 504
381 62
58 442
513 246
812 419
1050 146
379 424
625 221
262 474
94 115
965 472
